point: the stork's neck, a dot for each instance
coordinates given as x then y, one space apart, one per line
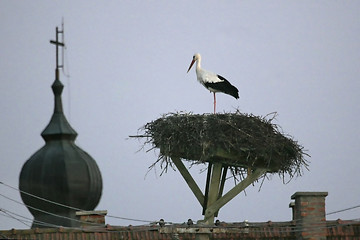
198 64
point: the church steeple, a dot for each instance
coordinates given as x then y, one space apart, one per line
58 126
60 171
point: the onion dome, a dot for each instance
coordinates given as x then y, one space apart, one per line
60 172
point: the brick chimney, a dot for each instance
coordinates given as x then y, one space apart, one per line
309 214
91 218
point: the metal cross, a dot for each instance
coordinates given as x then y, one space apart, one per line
57 43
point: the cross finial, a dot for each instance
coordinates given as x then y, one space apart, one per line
57 44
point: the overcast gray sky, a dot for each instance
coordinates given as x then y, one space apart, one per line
127 62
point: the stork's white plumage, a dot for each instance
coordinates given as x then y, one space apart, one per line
213 82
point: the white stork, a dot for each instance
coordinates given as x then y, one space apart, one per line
213 82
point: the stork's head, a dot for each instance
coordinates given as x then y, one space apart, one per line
196 57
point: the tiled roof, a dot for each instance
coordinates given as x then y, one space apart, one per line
341 229
270 230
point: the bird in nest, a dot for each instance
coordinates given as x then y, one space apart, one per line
213 82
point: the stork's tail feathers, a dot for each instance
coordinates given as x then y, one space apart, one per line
226 87
233 91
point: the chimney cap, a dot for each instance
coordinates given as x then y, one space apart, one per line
309 194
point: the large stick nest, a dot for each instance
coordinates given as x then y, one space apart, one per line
238 140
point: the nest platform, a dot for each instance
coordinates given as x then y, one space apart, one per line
233 139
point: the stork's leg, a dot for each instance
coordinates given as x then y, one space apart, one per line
214 103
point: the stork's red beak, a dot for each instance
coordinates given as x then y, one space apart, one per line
192 63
